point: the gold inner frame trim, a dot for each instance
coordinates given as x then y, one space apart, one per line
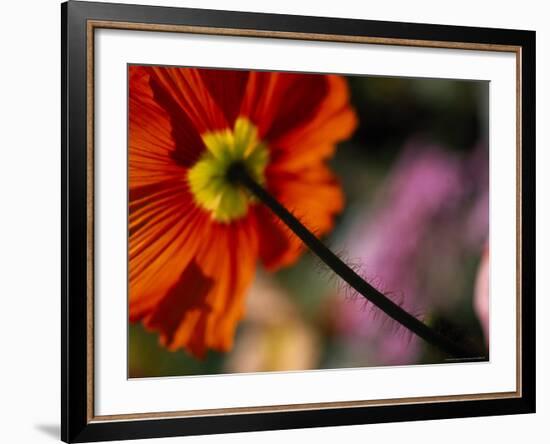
97 24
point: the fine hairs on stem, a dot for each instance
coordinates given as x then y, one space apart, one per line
238 174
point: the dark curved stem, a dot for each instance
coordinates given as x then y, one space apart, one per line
238 174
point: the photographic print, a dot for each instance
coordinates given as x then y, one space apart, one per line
282 221
275 221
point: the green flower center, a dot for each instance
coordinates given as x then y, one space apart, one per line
208 179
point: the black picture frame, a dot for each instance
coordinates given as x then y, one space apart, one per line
76 326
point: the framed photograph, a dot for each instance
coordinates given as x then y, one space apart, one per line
276 221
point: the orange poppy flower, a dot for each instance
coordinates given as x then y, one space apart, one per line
194 236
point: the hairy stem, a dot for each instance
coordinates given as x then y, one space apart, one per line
239 175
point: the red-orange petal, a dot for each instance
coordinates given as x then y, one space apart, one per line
313 195
280 102
219 281
277 247
316 139
186 296
297 174
164 236
157 147
226 87
187 89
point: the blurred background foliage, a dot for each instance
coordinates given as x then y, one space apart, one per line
415 177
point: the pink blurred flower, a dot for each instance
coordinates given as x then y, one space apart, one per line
411 245
481 295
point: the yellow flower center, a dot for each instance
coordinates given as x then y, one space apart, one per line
208 178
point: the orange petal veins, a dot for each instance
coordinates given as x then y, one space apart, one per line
218 283
189 91
316 139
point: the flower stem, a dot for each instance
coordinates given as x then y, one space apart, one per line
239 174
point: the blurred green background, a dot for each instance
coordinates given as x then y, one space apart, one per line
415 224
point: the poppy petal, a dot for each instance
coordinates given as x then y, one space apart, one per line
163 227
211 322
187 89
159 132
314 196
227 88
280 102
186 296
276 248
316 139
